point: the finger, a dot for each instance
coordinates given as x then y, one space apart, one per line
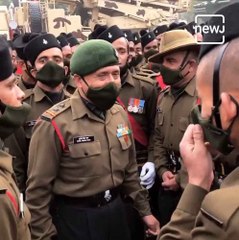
187 137
166 184
153 232
198 136
146 177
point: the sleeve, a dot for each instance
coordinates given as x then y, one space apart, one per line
183 219
160 154
8 223
150 112
18 148
131 185
44 156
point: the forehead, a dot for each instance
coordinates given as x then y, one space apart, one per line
51 52
7 81
120 43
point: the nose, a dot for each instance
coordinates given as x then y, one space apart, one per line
20 94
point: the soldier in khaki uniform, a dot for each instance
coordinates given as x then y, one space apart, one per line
215 215
82 154
25 80
178 69
47 62
14 216
138 97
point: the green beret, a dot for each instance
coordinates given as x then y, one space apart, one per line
91 56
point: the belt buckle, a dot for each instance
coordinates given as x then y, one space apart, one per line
107 196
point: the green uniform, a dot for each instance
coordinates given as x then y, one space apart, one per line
211 216
18 143
172 119
137 88
70 86
14 220
91 156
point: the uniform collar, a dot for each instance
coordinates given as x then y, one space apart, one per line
129 79
79 109
38 93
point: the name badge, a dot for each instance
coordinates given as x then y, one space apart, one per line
83 139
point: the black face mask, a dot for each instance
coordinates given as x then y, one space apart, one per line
136 60
51 74
218 138
11 118
150 53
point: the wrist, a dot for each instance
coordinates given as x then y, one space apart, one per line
202 183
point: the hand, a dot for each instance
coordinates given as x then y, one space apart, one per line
167 176
152 224
197 158
147 175
171 184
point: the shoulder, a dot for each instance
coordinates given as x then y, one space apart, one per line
56 110
144 79
221 205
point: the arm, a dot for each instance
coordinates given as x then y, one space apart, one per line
44 157
8 222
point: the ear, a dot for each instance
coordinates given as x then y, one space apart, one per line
228 109
33 72
129 59
66 69
77 80
192 65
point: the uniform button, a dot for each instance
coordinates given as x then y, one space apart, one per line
171 144
171 125
86 153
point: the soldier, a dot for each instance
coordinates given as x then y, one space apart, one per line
158 31
74 43
178 58
67 53
129 36
82 155
149 42
138 97
45 56
15 217
25 79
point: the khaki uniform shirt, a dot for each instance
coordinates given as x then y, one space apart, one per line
96 160
141 88
18 143
172 119
14 221
212 216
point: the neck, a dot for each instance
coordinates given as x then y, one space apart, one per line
46 88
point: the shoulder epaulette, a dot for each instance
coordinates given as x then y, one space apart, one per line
51 113
143 78
28 93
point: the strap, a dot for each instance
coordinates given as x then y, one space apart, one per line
139 134
161 83
61 138
13 201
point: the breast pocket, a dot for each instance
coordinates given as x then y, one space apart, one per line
85 150
125 142
183 123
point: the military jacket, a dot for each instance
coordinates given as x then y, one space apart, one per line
212 216
18 143
75 153
139 96
172 119
14 216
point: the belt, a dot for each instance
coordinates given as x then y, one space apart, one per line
95 201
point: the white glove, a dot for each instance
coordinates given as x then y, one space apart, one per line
147 175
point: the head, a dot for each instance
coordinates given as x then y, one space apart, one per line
12 111
149 42
95 67
116 37
153 45
46 61
217 85
177 57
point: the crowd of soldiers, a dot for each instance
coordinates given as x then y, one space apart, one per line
119 136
